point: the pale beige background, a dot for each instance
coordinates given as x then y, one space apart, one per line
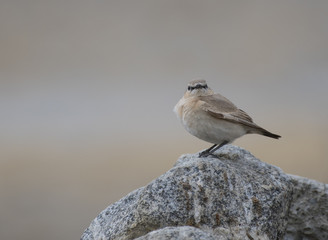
88 87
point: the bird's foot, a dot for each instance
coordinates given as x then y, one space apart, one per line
206 154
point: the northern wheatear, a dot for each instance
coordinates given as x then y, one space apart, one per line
213 118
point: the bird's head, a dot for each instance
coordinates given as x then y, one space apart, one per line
198 88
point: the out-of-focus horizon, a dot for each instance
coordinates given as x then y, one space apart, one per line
88 87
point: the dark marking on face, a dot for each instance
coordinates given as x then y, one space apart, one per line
198 86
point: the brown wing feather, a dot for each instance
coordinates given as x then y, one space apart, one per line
218 103
230 118
220 107
243 115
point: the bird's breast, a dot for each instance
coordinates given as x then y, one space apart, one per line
204 126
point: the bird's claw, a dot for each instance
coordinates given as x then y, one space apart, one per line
207 154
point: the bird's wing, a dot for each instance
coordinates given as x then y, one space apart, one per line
218 103
221 108
242 115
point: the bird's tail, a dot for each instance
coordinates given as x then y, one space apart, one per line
269 134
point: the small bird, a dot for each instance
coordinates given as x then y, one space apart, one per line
213 118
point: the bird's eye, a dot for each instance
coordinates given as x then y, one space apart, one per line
189 88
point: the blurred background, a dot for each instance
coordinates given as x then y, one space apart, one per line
87 90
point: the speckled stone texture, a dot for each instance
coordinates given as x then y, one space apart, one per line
234 196
308 214
178 233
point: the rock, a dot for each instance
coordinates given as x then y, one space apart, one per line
178 233
308 214
234 196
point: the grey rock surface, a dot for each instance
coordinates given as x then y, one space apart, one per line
178 233
308 214
234 196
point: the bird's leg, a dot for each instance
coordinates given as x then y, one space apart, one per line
218 146
206 152
212 149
